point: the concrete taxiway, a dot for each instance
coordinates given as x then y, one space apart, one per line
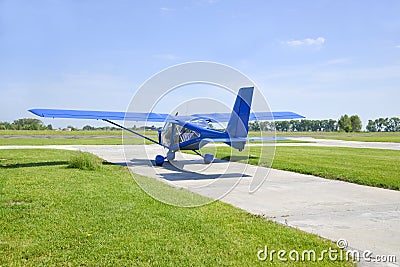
368 218
341 143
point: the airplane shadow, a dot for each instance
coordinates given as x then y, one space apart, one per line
34 164
182 175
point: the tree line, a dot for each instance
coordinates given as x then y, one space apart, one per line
384 125
25 124
345 123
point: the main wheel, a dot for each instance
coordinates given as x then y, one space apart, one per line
208 158
159 160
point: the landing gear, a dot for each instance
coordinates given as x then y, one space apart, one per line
208 158
159 160
170 155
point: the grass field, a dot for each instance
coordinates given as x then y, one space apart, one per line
52 215
38 138
374 167
362 136
69 133
68 141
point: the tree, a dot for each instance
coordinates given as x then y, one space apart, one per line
396 124
254 126
393 125
28 124
356 124
267 126
294 125
6 126
344 123
285 126
304 126
371 127
331 126
88 128
381 124
49 127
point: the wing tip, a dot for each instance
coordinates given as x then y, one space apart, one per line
35 112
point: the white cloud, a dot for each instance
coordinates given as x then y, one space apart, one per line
397 46
166 9
306 42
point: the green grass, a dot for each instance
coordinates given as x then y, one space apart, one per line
361 136
85 161
51 215
70 133
93 141
279 141
47 137
59 141
373 167
67 141
366 137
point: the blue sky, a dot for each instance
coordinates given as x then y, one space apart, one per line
318 58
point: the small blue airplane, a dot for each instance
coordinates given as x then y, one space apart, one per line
186 132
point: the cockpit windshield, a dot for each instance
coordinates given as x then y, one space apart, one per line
173 134
200 122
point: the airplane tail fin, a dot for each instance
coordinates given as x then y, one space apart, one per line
238 124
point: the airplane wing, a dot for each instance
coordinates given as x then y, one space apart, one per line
99 115
156 117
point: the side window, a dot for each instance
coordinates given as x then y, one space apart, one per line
186 135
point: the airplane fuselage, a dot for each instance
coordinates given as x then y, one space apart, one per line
183 135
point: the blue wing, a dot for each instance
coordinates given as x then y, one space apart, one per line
155 117
99 115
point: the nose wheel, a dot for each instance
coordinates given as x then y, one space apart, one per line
159 160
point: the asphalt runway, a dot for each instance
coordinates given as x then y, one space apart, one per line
368 218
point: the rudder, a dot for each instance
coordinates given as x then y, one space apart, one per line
238 124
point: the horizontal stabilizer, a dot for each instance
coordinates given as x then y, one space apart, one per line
244 139
254 116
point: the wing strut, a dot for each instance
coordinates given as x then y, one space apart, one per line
138 134
198 153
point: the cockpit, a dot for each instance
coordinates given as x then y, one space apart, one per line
173 133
